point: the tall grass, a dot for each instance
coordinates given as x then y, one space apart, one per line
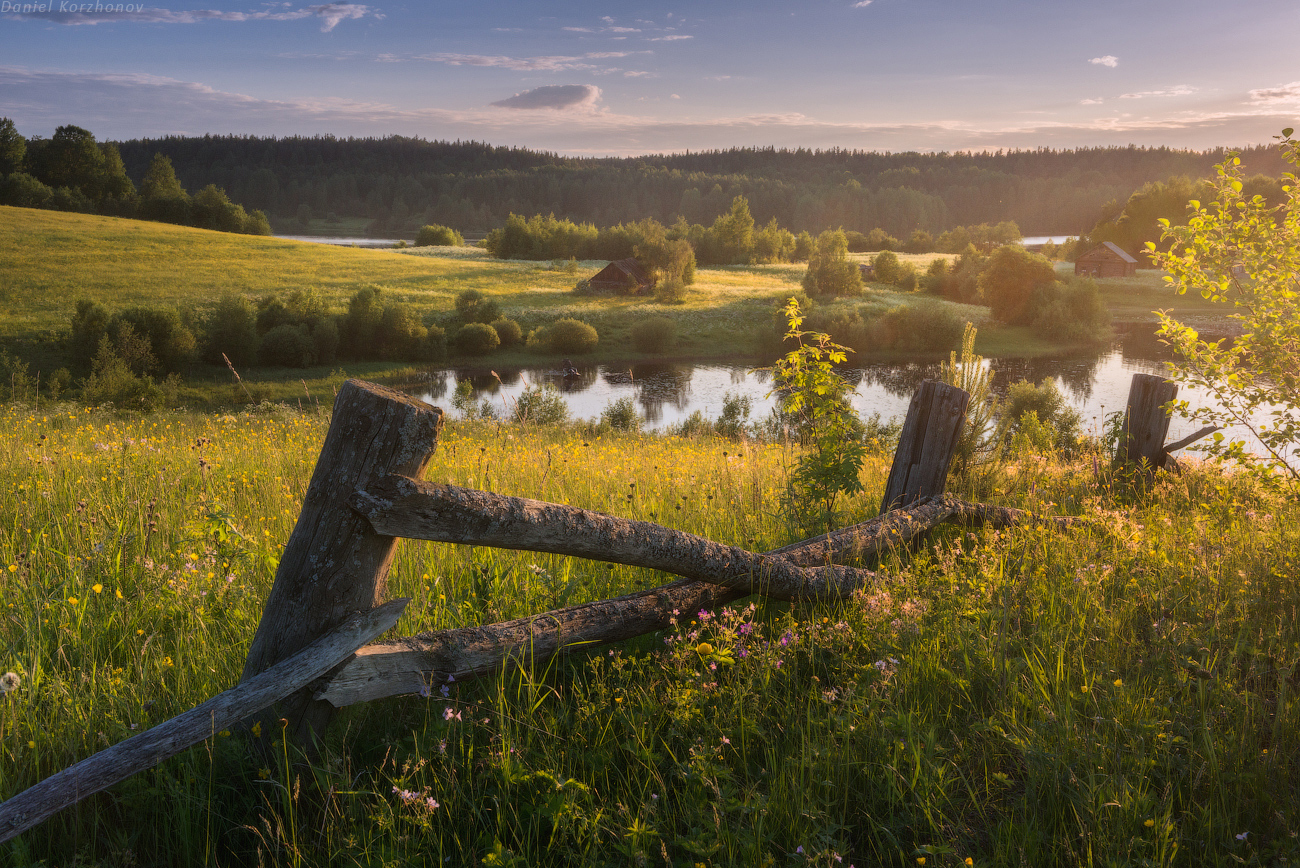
1123 694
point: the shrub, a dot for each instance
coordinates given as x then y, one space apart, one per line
1073 312
287 346
477 339
541 405
621 415
653 335
830 272
361 323
232 330
169 340
1010 280
325 340
435 344
571 336
474 306
1049 411
926 326
400 333
886 264
735 415
509 332
671 291
112 381
436 235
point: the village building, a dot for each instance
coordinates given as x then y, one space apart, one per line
1105 260
622 276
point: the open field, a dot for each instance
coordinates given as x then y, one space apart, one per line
52 259
1120 694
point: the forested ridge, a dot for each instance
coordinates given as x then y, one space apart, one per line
401 183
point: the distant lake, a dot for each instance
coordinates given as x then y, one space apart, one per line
344 242
666 394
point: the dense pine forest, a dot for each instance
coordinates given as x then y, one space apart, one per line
402 183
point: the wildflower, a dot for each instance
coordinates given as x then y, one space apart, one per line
442 746
1149 823
920 860
1242 836
704 648
799 849
264 773
31 745
9 682
97 587
969 861
72 600
431 802
1119 682
117 592
449 714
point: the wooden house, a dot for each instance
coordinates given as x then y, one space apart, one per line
867 271
1105 260
622 276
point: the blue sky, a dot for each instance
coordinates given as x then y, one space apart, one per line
629 78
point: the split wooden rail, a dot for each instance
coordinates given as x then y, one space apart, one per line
327 599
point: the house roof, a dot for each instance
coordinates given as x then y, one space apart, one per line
1113 248
628 268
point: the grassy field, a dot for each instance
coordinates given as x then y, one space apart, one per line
1121 694
52 259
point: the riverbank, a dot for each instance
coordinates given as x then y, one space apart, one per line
729 314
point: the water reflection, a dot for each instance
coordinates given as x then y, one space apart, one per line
669 393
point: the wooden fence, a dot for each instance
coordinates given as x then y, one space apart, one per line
310 655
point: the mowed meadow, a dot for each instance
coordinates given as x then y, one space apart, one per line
1118 694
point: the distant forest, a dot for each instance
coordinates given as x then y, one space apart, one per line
400 184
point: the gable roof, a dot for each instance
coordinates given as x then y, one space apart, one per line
1113 248
620 270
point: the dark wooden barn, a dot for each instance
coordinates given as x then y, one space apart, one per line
1105 260
622 276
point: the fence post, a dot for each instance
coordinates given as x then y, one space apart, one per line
926 444
334 563
1146 421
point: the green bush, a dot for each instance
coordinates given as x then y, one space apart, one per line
541 405
1011 281
112 381
477 339
735 415
1073 312
325 340
621 415
571 336
509 332
287 346
435 344
1028 411
670 291
231 330
653 335
474 306
437 235
830 272
926 326
886 265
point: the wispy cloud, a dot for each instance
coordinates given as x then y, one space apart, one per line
543 63
133 105
554 97
862 4
1284 93
1180 90
672 37
1097 101
330 14
1109 60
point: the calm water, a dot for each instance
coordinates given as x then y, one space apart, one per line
343 241
668 393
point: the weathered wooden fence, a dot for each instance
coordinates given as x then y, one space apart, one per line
1146 424
365 492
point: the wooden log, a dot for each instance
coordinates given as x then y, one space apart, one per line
117 763
398 506
420 664
926 444
1190 439
1146 422
335 563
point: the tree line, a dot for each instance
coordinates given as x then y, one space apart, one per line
71 171
399 183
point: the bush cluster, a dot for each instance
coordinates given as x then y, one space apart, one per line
436 235
654 335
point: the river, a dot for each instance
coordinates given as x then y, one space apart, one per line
666 394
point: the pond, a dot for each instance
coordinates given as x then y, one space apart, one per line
666 394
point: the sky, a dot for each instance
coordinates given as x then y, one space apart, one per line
624 78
